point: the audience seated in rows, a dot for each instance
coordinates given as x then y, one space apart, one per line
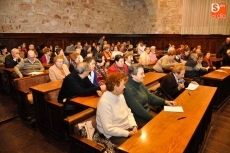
128 58
100 68
59 70
226 59
114 118
71 48
75 58
207 61
167 61
222 51
12 59
118 65
59 51
3 53
45 59
107 53
185 53
194 69
92 74
138 98
144 58
173 83
76 84
140 47
152 55
178 56
28 65
116 52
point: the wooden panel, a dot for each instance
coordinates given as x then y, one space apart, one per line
208 42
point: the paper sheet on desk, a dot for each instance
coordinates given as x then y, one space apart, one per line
35 73
225 67
220 70
192 86
173 109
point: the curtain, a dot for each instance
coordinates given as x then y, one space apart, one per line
197 19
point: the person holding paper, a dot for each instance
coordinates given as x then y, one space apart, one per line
173 83
138 98
114 118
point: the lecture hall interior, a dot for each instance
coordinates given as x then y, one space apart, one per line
41 32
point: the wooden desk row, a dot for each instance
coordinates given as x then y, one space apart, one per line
91 101
220 79
165 133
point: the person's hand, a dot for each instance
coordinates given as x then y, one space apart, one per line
214 67
170 103
99 93
17 56
134 129
103 88
131 133
180 86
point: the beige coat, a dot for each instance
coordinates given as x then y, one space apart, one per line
56 74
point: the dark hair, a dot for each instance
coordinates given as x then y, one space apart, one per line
133 69
118 57
207 53
98 57
58 50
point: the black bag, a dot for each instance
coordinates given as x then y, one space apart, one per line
163 94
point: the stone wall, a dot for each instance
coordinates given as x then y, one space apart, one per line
90 16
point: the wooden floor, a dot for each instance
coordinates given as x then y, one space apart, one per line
19 137
218 139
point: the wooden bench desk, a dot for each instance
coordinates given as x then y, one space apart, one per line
226 70
90 101
152 77
165 133
8 82
41 93
216 61
24 95
47 66
1 75
221 80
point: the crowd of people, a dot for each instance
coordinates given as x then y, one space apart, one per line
112 72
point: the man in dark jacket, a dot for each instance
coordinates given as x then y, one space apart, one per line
12 59
223 48
77 83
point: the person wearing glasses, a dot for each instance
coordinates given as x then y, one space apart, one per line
59 70
138 98
28 65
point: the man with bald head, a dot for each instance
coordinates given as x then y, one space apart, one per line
28 65
222 52
12 59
